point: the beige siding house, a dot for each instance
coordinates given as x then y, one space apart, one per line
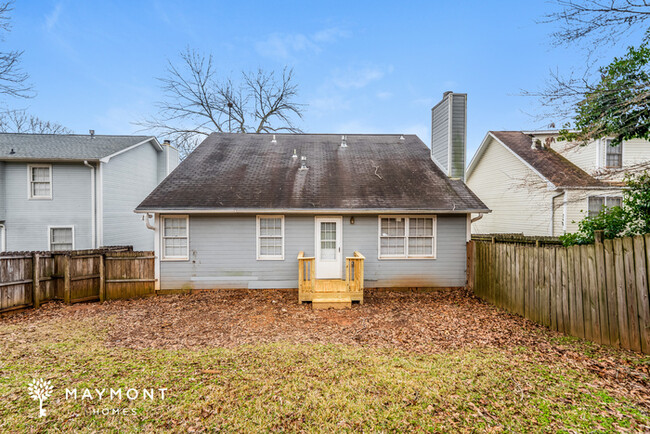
537 185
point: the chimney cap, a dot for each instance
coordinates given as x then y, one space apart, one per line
449 92
167 142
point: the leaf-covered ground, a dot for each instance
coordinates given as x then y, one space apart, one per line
256 360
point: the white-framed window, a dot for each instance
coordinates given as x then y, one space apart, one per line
39 177
270 237
596 203
61 238
613 155
407 237
175 238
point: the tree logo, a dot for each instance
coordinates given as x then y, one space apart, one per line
41 390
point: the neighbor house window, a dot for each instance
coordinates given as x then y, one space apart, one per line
407 237
270 237
61 238
613 155
596 203
40 181
175 234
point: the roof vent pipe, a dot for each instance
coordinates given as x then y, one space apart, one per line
303 163
12 152
402 137
274 141
295 155
92 133
344 143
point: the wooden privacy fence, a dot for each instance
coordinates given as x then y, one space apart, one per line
598 292
28 279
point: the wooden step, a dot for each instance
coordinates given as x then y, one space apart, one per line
331 303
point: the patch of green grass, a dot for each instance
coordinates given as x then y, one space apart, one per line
283 386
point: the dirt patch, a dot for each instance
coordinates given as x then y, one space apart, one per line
430 322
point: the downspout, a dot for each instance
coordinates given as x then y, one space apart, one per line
3 238
93 208
552 226
477 218
100 204
145 219
565 211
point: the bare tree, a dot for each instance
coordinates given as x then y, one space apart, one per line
592 24
19 121
13 80
597 22
198 102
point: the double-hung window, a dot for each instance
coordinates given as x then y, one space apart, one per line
175 238
270 237
61 238
596 203
40 181
613 155
407 237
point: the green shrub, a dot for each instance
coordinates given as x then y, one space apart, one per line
632 218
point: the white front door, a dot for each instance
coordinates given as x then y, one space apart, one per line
328 247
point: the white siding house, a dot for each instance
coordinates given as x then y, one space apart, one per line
537 185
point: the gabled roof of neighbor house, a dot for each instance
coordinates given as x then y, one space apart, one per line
547 163
68 147
248 173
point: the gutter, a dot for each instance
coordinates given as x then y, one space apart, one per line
93 202
308 211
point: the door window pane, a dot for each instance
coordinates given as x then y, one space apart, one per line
328 240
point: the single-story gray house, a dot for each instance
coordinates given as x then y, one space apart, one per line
238 210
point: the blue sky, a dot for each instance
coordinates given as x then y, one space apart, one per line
362 67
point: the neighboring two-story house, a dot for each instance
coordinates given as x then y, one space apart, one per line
536 184
64 192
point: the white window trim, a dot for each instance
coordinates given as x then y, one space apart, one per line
49 235
257 238
406 228
29 182
605 147
164 258
605 197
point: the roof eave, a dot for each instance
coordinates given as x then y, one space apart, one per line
308 211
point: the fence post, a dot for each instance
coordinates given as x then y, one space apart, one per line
36 283
66 279
102 279
598 236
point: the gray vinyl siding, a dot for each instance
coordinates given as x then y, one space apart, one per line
440 134
27 220
128 178
223 255
458 135
3 201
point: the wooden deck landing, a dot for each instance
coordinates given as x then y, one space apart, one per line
331 293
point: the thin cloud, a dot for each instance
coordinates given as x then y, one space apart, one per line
52 18
286 45
356 78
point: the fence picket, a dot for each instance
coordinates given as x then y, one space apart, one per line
600 292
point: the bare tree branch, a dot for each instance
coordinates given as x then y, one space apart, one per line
13 80
19 121
596 22
197 102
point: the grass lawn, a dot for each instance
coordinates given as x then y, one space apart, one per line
289 384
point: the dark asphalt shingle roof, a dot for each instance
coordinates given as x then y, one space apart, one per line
549 163
63 146
247 171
